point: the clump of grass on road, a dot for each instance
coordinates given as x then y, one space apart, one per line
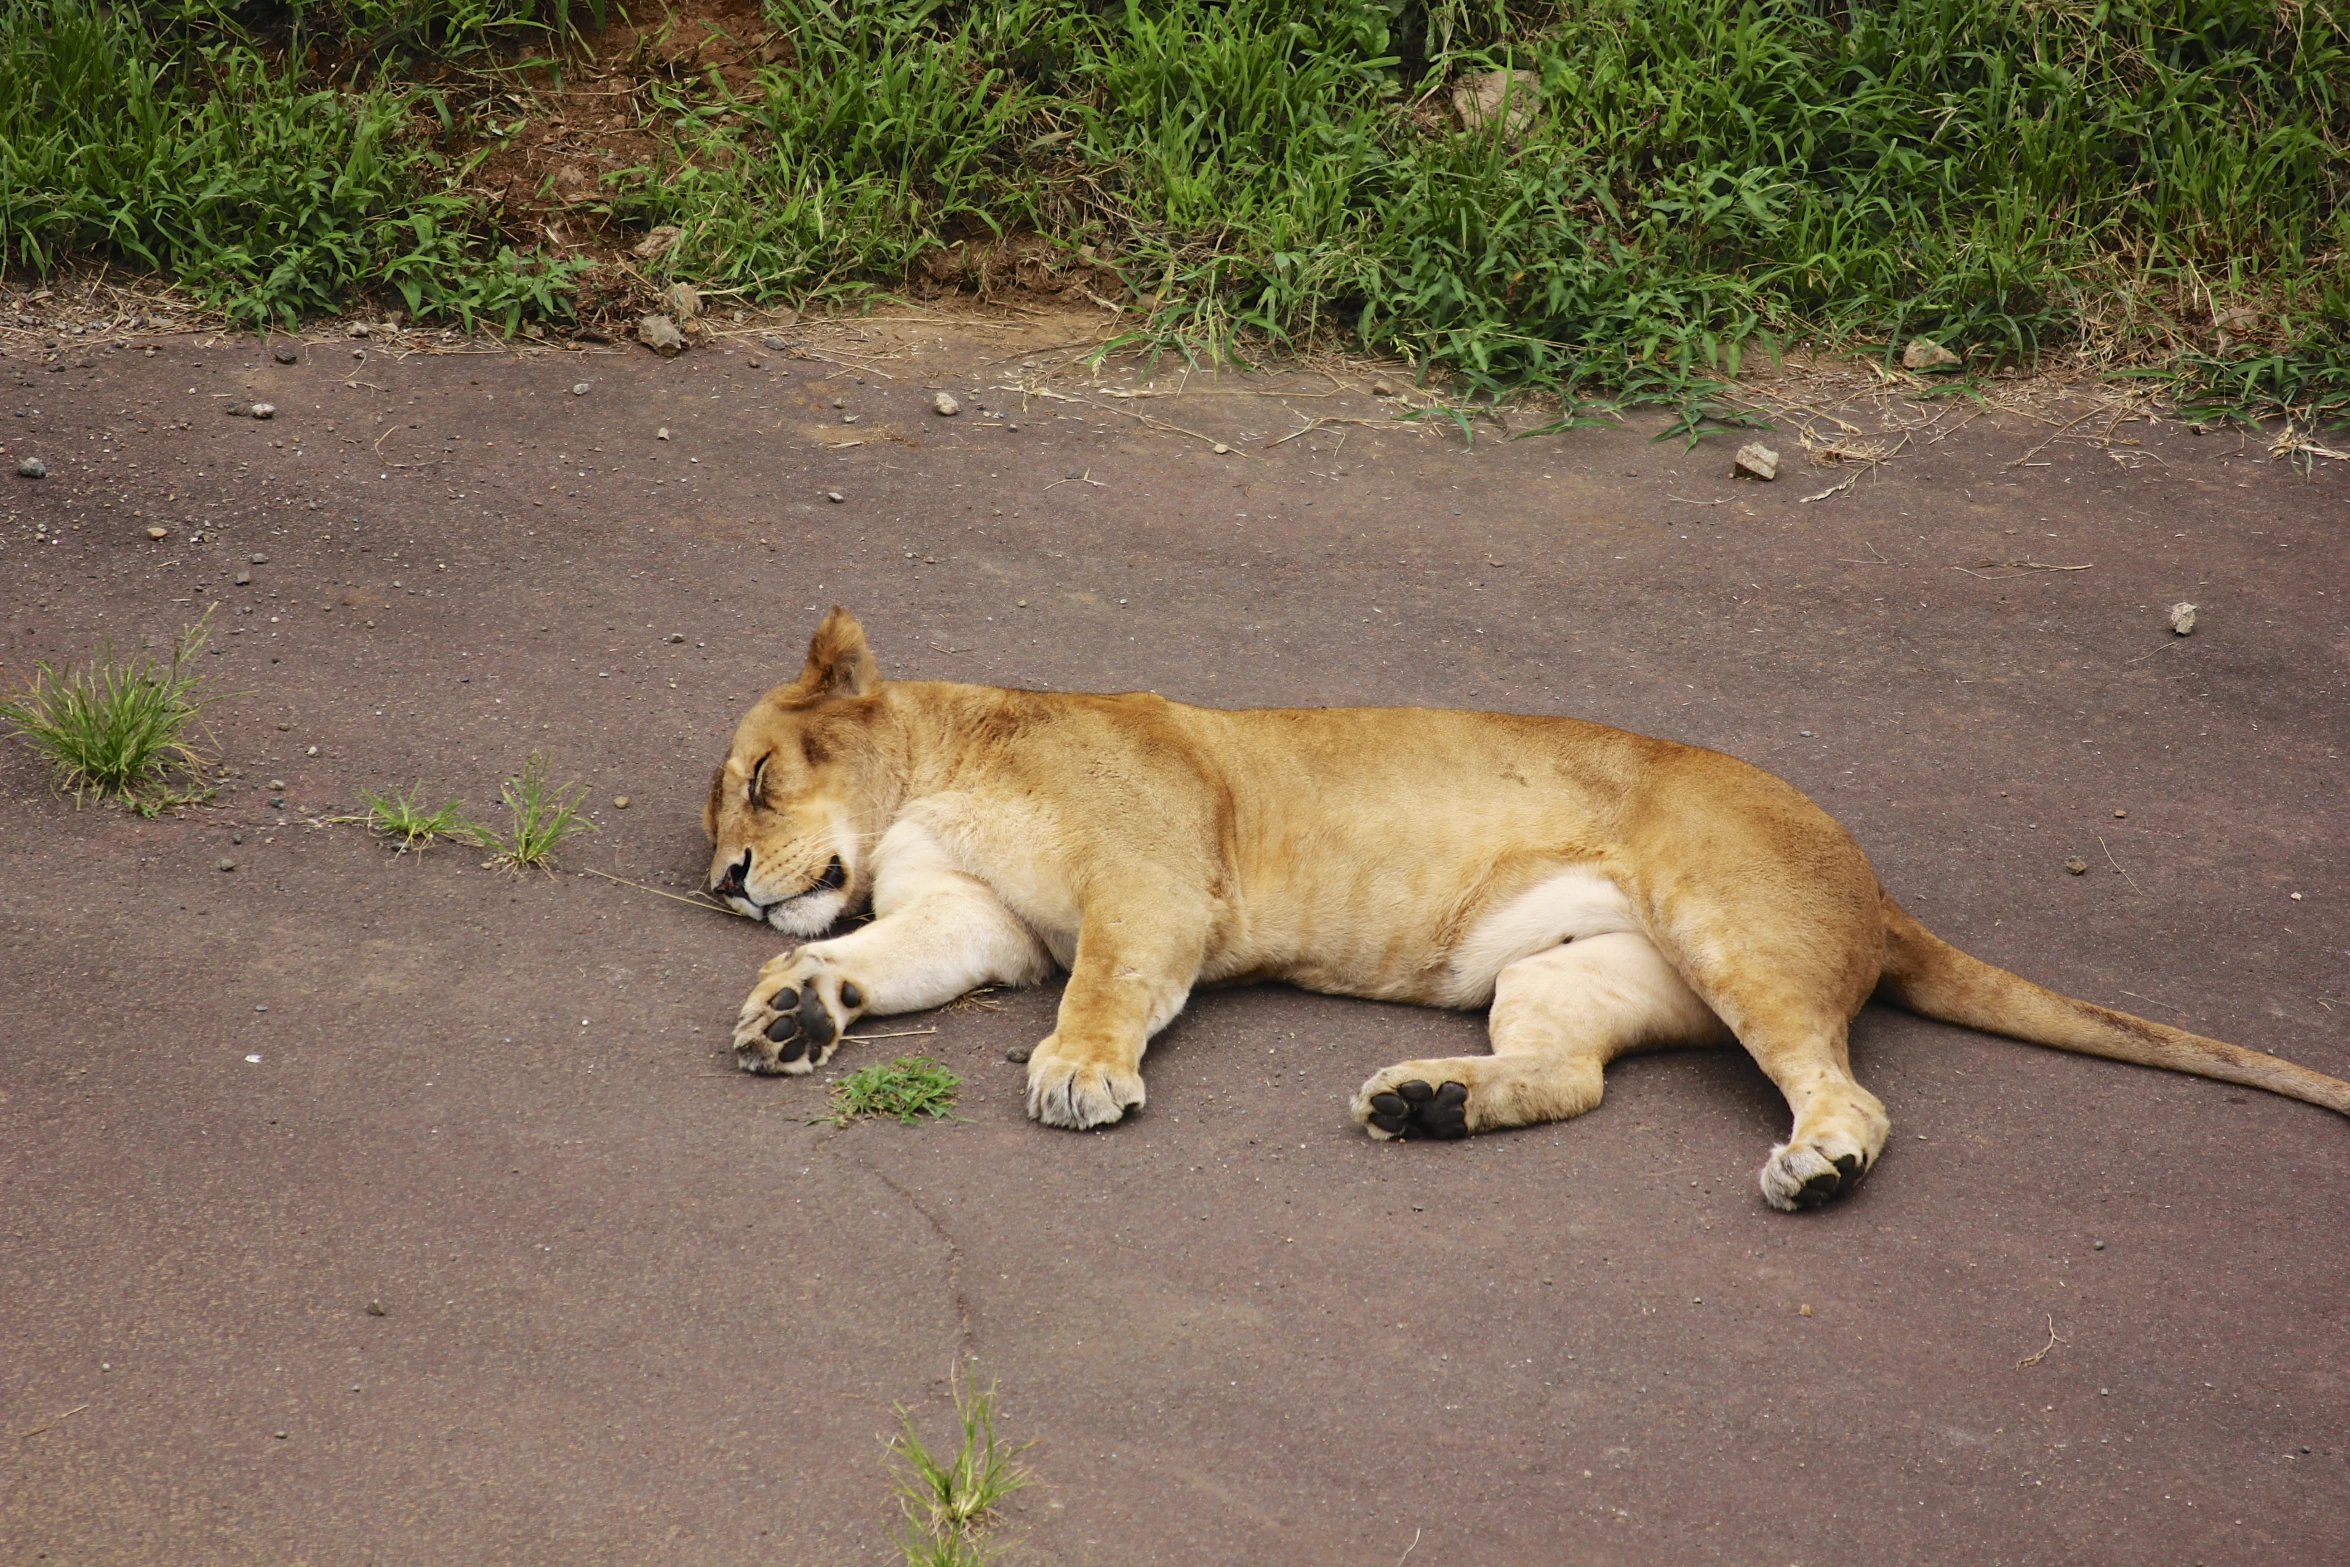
402 815
905 1090
949 1499
123 731
540 815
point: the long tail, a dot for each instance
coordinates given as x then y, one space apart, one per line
1929 976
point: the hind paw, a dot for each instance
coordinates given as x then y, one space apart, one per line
1412 1108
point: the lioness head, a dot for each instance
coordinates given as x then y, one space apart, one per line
783 809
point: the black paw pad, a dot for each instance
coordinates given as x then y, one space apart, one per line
850 994
816 1025
1415 1109
1829 1185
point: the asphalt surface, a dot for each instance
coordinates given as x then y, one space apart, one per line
637 1307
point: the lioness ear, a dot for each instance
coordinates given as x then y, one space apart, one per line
839 662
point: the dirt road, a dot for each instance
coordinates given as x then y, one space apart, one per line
637 1308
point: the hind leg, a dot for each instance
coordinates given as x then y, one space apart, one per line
1558 1018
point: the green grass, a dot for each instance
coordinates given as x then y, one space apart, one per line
539 815
121 731
268 193
402 815
2098 182
1700 178
906 1089
948 1499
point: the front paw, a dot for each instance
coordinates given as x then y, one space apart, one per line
796 1016
1078 1090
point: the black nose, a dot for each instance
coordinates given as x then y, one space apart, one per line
834 875
731 884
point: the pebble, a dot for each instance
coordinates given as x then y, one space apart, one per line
157 534
284 356
945 406
1756 461
660 334
1923 353
674 636
2182 619
1382 389
258 560
848 418
375 1308
579 389
31 468
661 434
224 864
1017 1054
237 410
359 329
2097 1245
774 344
1219 448
2076 865
244 579
620 802
264 410
834 496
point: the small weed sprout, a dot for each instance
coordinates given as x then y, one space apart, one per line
119 731
949 1499
542 816
908 1087
403 816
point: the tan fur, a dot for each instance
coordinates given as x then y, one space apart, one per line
1602 891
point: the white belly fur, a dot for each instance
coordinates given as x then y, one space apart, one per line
1568 907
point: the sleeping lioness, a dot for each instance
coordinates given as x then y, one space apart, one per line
1601 891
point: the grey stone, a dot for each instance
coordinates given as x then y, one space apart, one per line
1923 353
1757 461
32 468
660 334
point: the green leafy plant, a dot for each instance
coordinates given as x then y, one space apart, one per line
905 1089
540 816
403 815
949 1499
119 730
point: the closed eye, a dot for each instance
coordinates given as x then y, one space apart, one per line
758 769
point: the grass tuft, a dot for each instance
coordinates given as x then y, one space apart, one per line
119 731
540 816
402 815
949 1499
907 1088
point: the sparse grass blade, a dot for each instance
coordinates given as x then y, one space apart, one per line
119 730
403 815
540 816
948 1499
904 1090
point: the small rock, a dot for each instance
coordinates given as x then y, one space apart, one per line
237 410
775 345
620 802
661 434
2077 866
359 329
158 534
1479 99
1220 449
945 406
834 496
244 579
674 636
1382 388
683 299
656 244
375 1308
279 784
579 389
2182 619
284 356
258 560
31 468
848 418
280 1435
1017 1054
1756 461
1923 353
224 864
660 334
263 410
